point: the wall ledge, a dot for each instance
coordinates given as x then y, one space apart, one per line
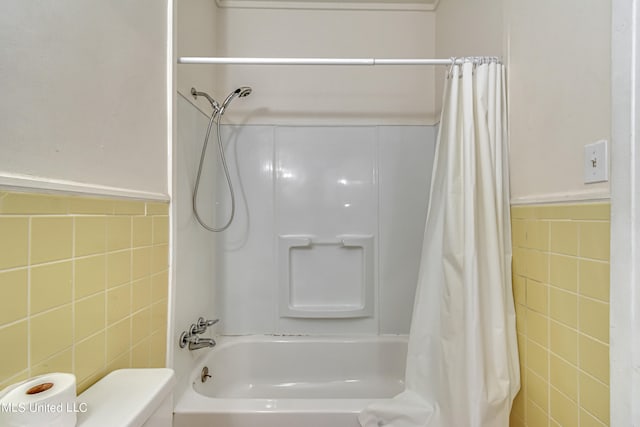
582 197
29 183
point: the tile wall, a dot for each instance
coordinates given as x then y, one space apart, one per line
561 290
83 285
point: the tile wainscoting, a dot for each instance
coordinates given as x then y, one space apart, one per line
83 285
561 290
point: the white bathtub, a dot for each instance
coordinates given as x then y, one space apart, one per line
265 381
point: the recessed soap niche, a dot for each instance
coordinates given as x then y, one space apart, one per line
326 278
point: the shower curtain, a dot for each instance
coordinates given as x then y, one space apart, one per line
462 364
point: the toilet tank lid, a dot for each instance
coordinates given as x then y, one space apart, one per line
125 398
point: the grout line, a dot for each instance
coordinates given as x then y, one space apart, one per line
568 398
576 293
564 395
550 252
591 337
549 326
377 245
577 331
534 403
130 283
578 394
48 310
15 322
90 336
61 260
580 370
29 327
105 261
12 269
75 215
13 378
73 296
594 416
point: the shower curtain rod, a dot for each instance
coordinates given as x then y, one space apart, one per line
316 61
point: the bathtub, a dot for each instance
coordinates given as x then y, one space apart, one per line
271 381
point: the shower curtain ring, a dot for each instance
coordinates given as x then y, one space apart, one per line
453 64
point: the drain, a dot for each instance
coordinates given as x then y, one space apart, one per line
204 375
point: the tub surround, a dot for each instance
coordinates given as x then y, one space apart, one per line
83 285
352 198
561 290
374 181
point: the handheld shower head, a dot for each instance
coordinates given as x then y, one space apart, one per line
241 92
216 118
244 91
213 102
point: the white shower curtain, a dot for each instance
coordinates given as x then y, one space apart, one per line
462 363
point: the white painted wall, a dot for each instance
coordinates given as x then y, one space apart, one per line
327 95
84 95
558 57
193 247
559 95
197 23
467 28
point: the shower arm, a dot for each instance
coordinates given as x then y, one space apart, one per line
213 102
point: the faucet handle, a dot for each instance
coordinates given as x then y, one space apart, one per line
188 338
202 323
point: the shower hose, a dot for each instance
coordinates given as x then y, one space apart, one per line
215 117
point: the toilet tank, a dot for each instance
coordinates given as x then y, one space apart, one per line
129 398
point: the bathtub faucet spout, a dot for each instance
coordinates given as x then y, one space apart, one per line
192 335
195 342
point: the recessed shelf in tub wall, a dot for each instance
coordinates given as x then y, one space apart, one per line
326 278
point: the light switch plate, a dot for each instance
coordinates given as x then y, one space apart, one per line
596 163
